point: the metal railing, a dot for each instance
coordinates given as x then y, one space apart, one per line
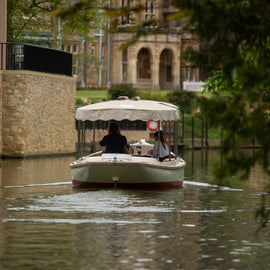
21 56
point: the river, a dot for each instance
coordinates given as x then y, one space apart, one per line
45 224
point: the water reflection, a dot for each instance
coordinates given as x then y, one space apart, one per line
30 174
200 165
32 171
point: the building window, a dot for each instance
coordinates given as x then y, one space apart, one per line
188 74
168 73
144 64
125 55
166 68
75 67
149 10
127 18
93 55
124 64
124 71
191 74
69 48
75 48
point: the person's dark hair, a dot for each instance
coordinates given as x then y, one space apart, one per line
162 139
113 128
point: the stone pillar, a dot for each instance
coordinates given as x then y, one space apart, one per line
155 74
132 69
3 21
176 75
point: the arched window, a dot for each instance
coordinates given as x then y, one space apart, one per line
144 64
166 64
166 69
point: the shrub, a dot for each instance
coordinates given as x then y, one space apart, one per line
153 95
122 90
184 99
83 101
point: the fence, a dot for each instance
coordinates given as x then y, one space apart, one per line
197 134
20 56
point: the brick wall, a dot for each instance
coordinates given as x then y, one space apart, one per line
38 111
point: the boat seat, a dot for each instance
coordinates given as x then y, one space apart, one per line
116 156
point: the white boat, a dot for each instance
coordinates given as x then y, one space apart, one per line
135 170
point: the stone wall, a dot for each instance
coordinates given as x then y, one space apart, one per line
1 73
38 112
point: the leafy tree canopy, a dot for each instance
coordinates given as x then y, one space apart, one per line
235 50
235 41
28 19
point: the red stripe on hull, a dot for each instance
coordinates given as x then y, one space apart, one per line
169 185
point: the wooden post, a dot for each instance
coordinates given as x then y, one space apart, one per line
183 126
94 137
206 134
202 132
192 132
175 139
83 138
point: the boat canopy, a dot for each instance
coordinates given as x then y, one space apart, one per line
129 109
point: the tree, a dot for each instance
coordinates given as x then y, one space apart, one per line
235 41
88 17
236 50
28 18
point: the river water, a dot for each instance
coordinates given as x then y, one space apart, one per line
45 224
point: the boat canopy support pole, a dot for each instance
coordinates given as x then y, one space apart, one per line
94 138
79 138
175 138
158 152
83 137
170 140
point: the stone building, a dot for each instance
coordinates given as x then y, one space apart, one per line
153 62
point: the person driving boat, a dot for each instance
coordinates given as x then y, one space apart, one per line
114 141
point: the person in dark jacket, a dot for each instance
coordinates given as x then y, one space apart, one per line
114 141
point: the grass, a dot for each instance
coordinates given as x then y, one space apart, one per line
213 133
94 95
102 95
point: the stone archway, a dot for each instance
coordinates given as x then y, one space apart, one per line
166 69
144 64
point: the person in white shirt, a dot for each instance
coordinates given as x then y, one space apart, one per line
163 147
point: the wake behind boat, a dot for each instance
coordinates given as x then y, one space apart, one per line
137 169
